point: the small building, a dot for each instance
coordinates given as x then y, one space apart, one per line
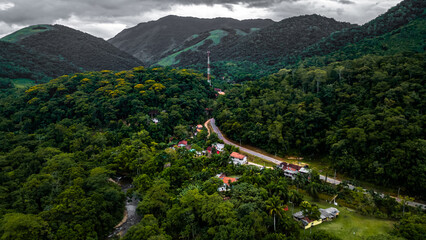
219 91
182 143
290 173
305 170
199 127
155 120
219 146
291 170
226 182
329 214
237 158
326 215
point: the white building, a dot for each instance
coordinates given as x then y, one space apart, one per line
237 158
219 146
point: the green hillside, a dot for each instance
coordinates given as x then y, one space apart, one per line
26 32
409 38
214 38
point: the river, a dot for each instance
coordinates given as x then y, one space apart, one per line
130 216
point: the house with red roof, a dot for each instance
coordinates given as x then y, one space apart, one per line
182 143
237 158
226 182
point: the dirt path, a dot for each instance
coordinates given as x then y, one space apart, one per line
206 124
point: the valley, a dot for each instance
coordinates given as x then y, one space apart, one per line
92 128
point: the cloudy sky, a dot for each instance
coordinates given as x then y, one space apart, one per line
105 18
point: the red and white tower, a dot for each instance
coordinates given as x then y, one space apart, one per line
208 68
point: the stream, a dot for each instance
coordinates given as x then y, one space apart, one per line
130 217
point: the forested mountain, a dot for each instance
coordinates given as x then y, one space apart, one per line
20 62
366 114
393 19
149 41
393 35
266 45
81 49
406 39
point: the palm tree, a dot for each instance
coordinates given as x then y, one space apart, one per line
274 206
312 189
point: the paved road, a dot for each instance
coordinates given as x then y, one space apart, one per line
273 160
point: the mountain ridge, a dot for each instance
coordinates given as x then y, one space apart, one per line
148 41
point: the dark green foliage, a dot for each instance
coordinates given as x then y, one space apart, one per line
61 141
57 50
18 226
411 227
393 19
81 49
147 228
366 113
19 62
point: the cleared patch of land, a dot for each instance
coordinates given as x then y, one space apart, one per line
349 225
23 83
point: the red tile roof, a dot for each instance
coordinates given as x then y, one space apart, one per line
226 180
237 155
183 142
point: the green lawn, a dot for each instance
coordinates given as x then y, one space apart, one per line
349 225
23 83
257 160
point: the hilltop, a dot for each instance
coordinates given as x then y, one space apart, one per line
151 40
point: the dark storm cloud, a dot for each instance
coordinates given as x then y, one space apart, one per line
30 11
106 17
346 2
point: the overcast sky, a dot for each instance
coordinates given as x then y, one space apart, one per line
105 18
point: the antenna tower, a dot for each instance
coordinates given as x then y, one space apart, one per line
208 68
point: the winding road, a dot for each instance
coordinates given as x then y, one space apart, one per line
276 161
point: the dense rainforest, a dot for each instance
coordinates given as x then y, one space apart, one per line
365 115
63 141
353 101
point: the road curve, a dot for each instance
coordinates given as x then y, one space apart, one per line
276 161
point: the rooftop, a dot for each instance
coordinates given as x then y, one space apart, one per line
237 155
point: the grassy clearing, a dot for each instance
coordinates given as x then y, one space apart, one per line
350 224
259 161
23 83
25 32
215 36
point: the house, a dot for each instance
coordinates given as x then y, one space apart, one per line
226 182
326 215
182 143
305 170
219 146
329 214
237 158
291 170
210 150
219 91
199 127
